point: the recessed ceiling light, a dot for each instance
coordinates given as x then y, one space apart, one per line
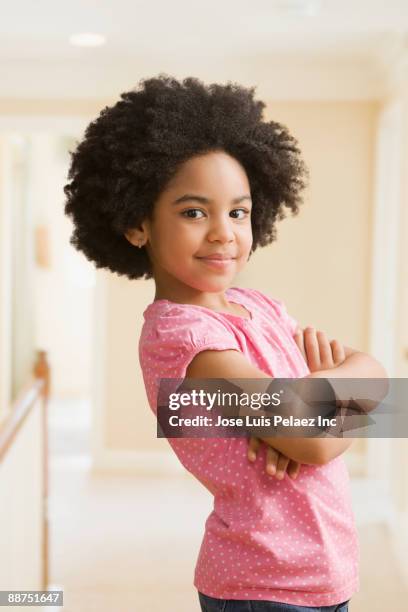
308 8
87 39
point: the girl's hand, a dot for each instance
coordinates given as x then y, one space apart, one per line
318 351
319 354
276 463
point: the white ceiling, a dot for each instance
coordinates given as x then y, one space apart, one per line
214 39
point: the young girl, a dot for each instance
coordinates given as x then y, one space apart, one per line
181 182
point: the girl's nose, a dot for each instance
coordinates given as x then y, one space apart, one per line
221 230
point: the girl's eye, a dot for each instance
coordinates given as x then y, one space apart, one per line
190 210
194 210
244 210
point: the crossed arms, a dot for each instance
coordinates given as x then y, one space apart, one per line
325 359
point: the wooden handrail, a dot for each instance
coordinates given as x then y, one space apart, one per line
19 411
37 387
42 371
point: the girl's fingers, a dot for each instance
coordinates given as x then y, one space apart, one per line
283 462
276 463
272 457
318 351
299 339
325 350
253 446
338 352
312 349
293 469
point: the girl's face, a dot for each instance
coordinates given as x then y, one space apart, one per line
205 210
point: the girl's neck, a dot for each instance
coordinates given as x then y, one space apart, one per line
213 301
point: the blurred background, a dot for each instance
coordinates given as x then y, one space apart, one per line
91 501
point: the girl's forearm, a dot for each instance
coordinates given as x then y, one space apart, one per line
357 366
318 451
311 451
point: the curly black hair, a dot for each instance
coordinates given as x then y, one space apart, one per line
132 149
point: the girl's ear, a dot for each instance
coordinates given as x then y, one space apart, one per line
135 237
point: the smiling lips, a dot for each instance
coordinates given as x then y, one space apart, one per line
217 261
218 257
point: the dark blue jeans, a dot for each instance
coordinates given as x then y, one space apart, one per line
209 604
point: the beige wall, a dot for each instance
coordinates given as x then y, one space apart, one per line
64 289
5 274
320 264
129 422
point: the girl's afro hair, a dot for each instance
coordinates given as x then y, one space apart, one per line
132 149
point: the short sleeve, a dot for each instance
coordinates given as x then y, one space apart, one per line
165 352
279 309
181 334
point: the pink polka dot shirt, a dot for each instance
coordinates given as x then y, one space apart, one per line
291 541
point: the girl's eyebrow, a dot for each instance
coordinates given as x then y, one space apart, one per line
204 200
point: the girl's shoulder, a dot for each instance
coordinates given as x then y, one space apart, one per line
185 319
172 334
169 324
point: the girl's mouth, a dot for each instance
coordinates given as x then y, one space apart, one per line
217 263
